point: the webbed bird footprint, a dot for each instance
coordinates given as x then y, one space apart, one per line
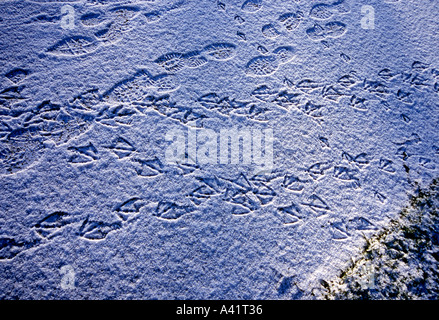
334 29
97 230
317 204
323 11
121 147
290 215
83 154
74 46
52 225
17 75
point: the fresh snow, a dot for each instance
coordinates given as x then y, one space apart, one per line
91 208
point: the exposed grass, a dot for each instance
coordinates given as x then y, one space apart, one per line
401 261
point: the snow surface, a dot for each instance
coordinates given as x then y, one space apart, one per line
89 208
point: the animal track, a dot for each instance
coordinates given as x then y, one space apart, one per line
221 5
376 87
270 31
287 100
148 167
11 96
261 49
83 154
358 103
360 223
115 115
251 6
333 92
25 128
126 209
262 66
263 192
317 204
284 54
194 59
51 121
242 203
345 57
229 106
97 230
264 93
153 16
51 225
348 80
360 160
290 215
312 109
386 74
345 173
201 194
325 142
239 19
74 46
419 66
405 96
165 107
92 19
380 197
182 114
220 51
333 29
241 36
426 163
318 169
324 11
243 194
217 184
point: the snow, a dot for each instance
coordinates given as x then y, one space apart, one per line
91 209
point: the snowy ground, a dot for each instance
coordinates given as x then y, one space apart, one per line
400 262
91 209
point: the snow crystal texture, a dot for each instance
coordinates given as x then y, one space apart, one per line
91 209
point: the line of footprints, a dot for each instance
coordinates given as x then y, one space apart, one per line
23 128
22 140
